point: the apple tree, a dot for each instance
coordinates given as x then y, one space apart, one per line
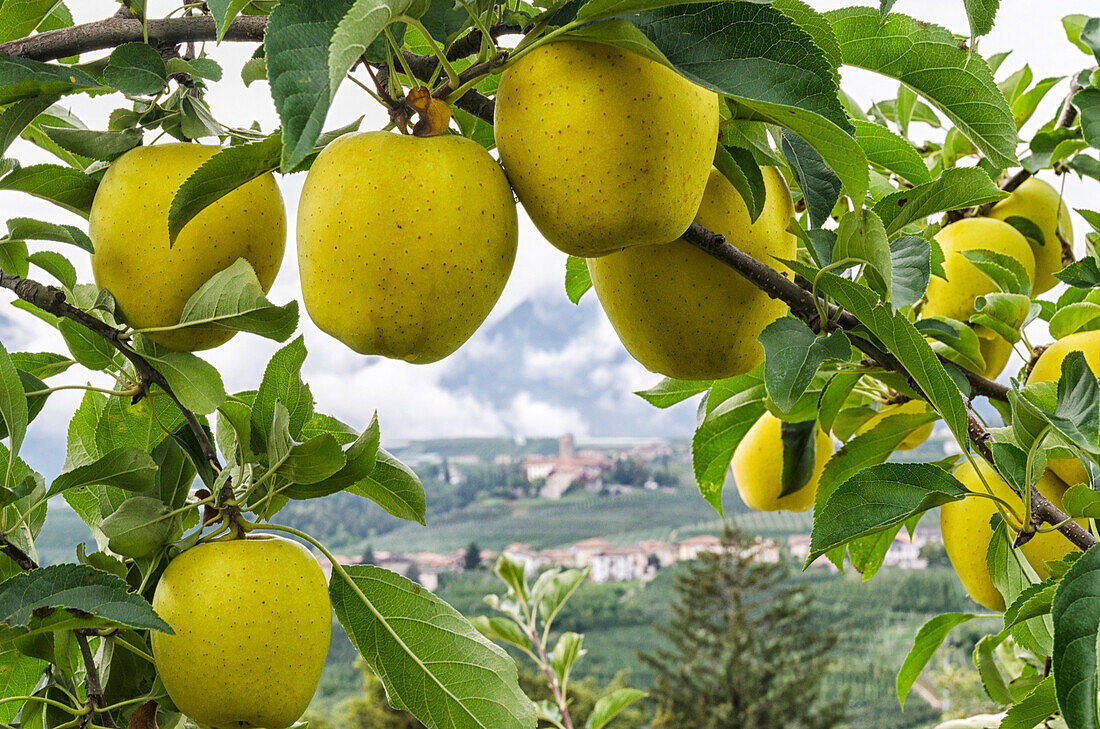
809 266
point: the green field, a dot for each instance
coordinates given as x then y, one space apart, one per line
625 519
876 622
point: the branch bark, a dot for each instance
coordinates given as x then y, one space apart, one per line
801 304
93 684
52 300
103 34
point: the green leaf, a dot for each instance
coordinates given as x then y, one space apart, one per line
70 596
360 457
206 68
903 340
862 238
888 150
63 186
18 18
92 143
1006 272
224 11
955 188
21 78
927 641
928 59
87 347
196 382
739 167
799 455
139 528
296 45
981 14
41 364
718 436
1083 274
793 355
1034 601
1012 576
13 408
125 468
1081 500
282 383
911 269
13 258
501 629
19 675
759 57
1076 613
993 681
16 117
402 630
820 185
314 460
136 69
1034 709
609 706
877 498
1088 102
220 175
567 651
357 31
233 299
30 229
395 487
1081 316
1076 414
56 265
141 426
254 69
577 278
669 392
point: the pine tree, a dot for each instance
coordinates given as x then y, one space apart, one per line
743 652
471 559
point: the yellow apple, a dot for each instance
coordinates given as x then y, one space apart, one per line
252 620
605 148
151 281
996 351
404 243
1040 203
910 407
1048 368
758 467
966 531
954 298
683 313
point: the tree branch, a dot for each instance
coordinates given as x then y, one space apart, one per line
801 304
470 43
112 32
92 682
52 300
16 554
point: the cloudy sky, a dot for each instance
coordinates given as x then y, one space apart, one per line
411 400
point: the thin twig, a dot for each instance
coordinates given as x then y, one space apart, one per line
91 681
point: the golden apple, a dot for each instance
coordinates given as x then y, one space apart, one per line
1040 203
954 298
996 351
966 530
758 468
252 620
683 313
1048 368
404 243
151 281
910 407
605 148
